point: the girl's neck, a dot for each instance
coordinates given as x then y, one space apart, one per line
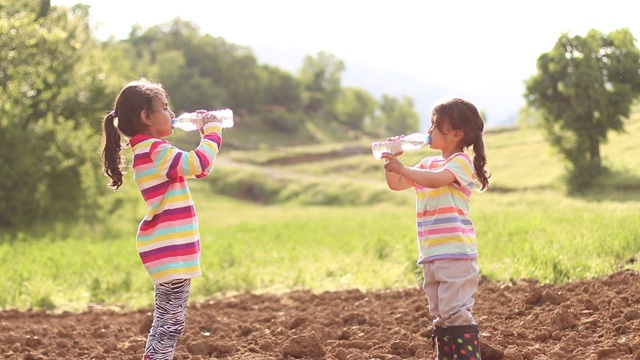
451 152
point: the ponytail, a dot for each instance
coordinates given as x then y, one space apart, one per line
463 115
134 98
479 163
113 162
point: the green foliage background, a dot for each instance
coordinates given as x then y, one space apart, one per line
583 91
57 82
295 201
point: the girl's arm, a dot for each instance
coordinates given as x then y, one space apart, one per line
172 162
427 178
397 172
212 141
396 182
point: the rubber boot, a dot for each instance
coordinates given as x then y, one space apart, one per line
442 343
465 342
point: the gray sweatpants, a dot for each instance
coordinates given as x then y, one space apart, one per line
450 285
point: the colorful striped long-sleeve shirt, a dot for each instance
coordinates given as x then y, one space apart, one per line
444 229
168 238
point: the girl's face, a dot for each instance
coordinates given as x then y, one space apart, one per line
444 138
159 119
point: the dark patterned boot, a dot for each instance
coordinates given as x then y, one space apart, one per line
465 342
442 343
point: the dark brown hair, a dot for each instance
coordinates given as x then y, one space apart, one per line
135 97
463 115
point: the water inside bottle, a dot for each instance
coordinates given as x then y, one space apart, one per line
408 143
184 125
378 148
412 145
226 116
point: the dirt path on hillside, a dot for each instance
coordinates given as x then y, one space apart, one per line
598 319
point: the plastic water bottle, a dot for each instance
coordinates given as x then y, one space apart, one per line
410 142
192 121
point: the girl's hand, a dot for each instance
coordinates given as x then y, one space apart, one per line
392 163
207 117
200 122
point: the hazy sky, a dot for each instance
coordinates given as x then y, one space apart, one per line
480 46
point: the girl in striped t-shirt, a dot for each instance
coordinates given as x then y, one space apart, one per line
168 238
446 236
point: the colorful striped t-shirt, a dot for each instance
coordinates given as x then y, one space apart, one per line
168 238
444 229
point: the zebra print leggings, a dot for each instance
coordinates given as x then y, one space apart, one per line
169 317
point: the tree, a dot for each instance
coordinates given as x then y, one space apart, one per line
584 88
321 80
395 117
282 94
52 98
198 71
355 107
281 89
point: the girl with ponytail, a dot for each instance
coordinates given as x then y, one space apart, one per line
445 233
168 238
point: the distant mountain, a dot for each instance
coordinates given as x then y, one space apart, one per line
500 106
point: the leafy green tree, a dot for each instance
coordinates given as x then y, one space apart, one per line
395 117
321 80
281 89
39 7
52 97
282 94
199 71
355 107
584 88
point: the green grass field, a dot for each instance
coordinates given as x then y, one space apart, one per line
333 224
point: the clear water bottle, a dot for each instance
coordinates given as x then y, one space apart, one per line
193 121
410 142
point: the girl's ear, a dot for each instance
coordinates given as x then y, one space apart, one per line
145 118
458 135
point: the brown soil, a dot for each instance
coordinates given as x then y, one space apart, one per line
596 319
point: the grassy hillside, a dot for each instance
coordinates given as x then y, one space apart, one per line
519 159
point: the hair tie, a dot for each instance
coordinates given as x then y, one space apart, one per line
113 114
